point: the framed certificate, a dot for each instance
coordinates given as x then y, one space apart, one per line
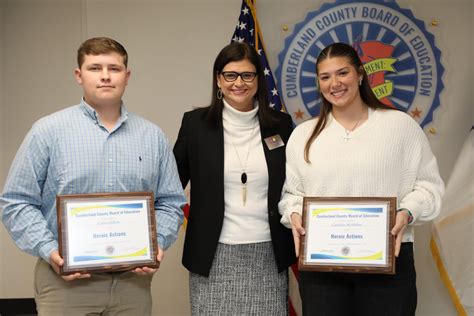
105 232
348 235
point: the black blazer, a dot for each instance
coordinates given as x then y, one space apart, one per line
199 152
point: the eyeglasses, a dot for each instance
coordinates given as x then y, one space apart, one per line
231 76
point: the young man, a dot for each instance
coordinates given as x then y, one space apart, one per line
95 146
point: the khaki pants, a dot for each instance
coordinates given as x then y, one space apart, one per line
103 294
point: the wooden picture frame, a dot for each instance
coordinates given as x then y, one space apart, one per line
105 232
348 234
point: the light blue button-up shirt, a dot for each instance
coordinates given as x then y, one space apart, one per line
70 152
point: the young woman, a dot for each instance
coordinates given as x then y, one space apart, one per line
358 147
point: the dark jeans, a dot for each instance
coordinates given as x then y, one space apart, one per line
347 294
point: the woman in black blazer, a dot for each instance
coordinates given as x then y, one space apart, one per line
233 154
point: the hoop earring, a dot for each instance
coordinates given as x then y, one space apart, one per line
220 95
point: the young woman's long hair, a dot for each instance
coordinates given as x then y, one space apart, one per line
232 53
366 93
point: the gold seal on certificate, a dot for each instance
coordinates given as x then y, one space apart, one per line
104 232
348 235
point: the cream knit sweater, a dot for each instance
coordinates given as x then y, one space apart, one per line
388 155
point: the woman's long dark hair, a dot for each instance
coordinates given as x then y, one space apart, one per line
366 93
238 52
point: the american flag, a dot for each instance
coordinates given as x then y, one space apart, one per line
247 30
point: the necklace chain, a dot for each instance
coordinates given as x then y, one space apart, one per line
243 175
349 131
248 150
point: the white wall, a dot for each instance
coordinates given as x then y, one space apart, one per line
172 45
40 38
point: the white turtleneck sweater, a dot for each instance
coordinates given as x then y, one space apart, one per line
388 155
247 223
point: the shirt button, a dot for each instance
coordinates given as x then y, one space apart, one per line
111 184
110 159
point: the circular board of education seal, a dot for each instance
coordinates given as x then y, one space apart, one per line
110 250
399 56
345 250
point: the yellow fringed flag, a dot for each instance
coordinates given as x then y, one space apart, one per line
452 243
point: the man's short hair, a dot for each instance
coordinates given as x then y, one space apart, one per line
98 46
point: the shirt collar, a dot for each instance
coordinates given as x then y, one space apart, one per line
92 113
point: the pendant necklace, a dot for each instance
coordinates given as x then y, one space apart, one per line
349 131
243 175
